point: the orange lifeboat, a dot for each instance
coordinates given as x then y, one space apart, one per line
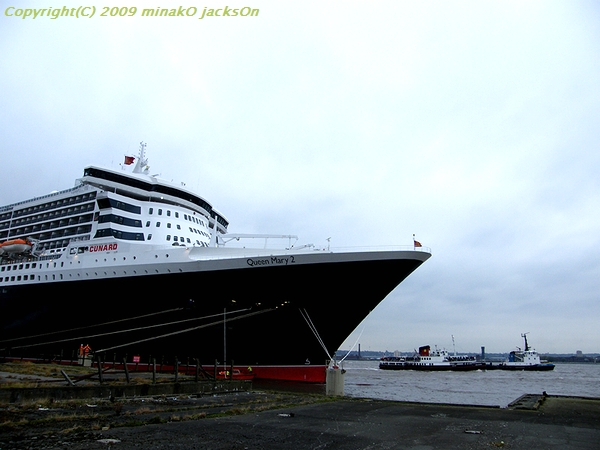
15 246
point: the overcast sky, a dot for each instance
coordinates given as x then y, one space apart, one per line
474 125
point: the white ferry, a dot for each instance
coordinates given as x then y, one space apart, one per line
431 360
130 264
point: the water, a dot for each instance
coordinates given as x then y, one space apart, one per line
491 388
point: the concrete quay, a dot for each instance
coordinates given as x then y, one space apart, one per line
535 422
189 416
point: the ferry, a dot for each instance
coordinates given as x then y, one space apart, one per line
131 265
432 360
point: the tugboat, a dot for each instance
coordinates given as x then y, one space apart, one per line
527 359
431 360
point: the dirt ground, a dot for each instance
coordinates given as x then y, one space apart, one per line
47 425
291 419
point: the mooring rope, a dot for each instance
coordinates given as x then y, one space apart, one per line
81 338
312 327
90 326
245 316
361 332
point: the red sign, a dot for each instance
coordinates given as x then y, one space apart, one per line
136 359
103 247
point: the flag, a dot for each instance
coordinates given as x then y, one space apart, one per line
416 243
129 160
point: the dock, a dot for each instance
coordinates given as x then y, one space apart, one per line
281 418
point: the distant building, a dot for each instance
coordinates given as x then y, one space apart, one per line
579 354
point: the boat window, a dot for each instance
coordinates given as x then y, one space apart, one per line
168 212
168 225
168 237
157 224
150 237
148 223
104 203
151 211
160 212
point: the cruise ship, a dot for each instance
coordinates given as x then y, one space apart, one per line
132 266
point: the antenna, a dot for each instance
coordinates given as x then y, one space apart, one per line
142 162
524 336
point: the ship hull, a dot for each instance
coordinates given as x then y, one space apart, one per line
434 367
271 315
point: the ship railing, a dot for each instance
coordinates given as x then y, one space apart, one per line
379 248
52 194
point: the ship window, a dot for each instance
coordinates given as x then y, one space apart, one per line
148 223
168 237
175 238
160 212
179 227
188 241
176 214
150 236
168 225
151 211
158 224
168 213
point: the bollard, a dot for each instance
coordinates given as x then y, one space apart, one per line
334 381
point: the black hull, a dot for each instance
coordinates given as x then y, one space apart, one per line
263 306
530 368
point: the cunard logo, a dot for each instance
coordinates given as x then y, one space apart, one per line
103 248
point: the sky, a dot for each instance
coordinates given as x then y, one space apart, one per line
472 125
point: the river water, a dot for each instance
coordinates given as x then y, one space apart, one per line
490 388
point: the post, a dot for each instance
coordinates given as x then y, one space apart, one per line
100 369
176 369
197 370
153 370
126 369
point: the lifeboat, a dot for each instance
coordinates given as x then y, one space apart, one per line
15 246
